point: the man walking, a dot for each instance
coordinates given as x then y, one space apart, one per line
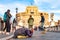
42 21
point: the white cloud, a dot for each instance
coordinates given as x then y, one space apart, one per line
36 1
40 1
56 18
53 11
48 1
53 3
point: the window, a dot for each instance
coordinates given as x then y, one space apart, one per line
32 12
44 13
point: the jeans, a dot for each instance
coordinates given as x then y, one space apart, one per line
42 24
7 26
41 27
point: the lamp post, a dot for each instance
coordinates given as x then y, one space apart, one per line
16 13
16 10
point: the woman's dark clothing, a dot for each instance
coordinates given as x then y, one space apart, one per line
7 22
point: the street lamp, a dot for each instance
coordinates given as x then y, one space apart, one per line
16 10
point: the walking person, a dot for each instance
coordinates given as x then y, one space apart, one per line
42 22
6 18
30 22
14 24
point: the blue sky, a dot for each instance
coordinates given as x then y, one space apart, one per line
50 6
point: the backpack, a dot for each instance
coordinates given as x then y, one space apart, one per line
5 17
30 21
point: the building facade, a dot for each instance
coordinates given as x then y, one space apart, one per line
32 10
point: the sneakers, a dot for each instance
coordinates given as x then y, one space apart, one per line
7 33
0 32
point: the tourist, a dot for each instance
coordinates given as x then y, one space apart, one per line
42 22
30 22
6 19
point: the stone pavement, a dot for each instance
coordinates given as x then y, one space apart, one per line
4 36
38 36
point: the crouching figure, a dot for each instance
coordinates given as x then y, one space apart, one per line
23 32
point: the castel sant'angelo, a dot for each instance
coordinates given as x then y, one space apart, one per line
32 10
